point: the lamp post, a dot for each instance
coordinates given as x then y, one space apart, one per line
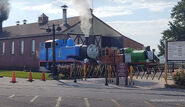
54 67
106 75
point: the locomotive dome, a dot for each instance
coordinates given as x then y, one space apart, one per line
70 42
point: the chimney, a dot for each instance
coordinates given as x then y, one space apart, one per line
24 21
64 14
1 26
43 19
17 23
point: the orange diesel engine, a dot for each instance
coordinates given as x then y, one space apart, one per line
108 56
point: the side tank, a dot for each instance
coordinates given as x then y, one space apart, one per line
137 55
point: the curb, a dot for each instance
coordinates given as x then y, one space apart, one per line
174 86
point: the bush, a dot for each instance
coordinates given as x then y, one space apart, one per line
179 77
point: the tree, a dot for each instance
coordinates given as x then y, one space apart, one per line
176 30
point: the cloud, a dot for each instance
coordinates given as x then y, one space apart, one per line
53 7
68 2
146 32
117 7
45 8
152 5
109 11
128 7
18 4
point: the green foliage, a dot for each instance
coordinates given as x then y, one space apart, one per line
178 13
179 78
176 30
61 76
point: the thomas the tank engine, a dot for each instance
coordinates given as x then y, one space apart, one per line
65 51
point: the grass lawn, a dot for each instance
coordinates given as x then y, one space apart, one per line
22 74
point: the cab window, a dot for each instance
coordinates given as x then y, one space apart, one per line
48 45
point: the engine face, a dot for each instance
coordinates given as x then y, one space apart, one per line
92 51
150 55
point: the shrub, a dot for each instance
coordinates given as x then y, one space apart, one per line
179 77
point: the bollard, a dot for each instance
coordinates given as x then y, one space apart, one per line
131 75
43 76
165 75
109 73
13 78
85 70
30 77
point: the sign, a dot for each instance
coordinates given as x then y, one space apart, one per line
121 68
176 51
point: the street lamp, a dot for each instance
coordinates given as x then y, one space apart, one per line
54 67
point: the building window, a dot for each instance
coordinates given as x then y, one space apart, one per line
12 48
3 48
33 47
22 47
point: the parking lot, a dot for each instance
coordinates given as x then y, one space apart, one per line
68 101
90 93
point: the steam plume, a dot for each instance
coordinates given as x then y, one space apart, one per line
83 7
4 11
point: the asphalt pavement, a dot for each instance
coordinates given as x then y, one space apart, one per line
90 93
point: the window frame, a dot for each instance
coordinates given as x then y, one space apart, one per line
33 47
12 48
3 48
22 47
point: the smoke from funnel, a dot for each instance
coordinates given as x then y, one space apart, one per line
83 8
4 11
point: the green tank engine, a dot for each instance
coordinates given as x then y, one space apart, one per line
139 56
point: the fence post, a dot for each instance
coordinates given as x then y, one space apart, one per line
126 74
106 75
75 71
71 71
165 75
117 77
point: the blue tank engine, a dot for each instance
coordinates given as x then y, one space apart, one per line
65 49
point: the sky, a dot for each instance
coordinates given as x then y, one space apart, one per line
140 20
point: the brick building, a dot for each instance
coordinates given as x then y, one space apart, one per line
19 45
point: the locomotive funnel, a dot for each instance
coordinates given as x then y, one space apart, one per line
64 14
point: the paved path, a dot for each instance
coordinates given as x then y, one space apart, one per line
90 93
